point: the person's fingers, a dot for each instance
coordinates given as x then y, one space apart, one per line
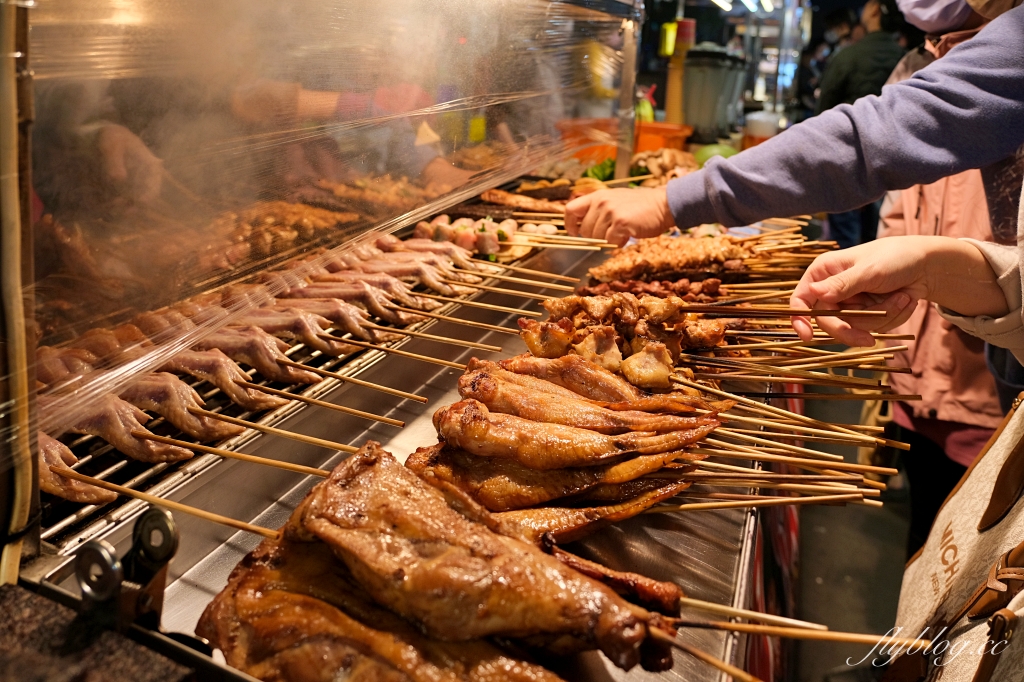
604 223
618 235
857 331
590 220
842 285
803 329
575 211
112 148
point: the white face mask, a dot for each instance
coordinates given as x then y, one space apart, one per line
935 16
831 37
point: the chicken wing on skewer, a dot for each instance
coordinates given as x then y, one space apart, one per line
650 368
113 419
374 300
458 255
224 373
54 453
167 395
547 339
511 398
292 606
296 324
566 524
258 349
576 374
505 485
469 425
452 577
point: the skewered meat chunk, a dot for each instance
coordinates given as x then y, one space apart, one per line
600 346
497 196
171 397
510 398
452 577
576 374
221 371
54 453
296 324
546 339
291 611
703 291
650 368
469 425
258 349
567 524
505 485
458 255
655 595
659 257
113 419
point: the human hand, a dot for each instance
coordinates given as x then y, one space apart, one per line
618 214
128 164
893 274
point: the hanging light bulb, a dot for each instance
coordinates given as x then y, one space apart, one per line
768 6
724 4
750 5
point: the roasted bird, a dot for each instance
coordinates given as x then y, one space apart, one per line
452 577
512 398
667 257
566 524
292 611
505 485
469 425
53 453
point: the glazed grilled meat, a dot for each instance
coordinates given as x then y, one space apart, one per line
547 339
53 453
703 291
660 257
452 577
291 611
576 374
511 398
567 524
505 485
469 425
650 368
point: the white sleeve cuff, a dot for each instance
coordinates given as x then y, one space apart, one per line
1006 331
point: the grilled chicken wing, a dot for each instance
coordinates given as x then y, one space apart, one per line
346 316
458 255
374 300
258 349
469 425
654 595
576 374
54 365
292 611
568 524
171 397
54 453
396 288
505 485
510 398
113 420
452 577
547 339
600 346
650 368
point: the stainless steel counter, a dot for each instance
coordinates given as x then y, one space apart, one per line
708 553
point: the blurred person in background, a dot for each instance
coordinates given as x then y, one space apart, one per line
839 25
857 71
960 408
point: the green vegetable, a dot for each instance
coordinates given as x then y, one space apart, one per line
601 171
502 236
493 257
710 150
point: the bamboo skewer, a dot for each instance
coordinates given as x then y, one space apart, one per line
499 290
353 380
274 431
759 285
758 297
768 618
769 311
860 355
169 504
477 304
766 476
804 633
806 452
322 403
551 245
817 335
406 354
231 454
740 504
734 451
788 487
423 335
529 271
626 181
856 438
892 397
538 214
529 282
730 670
456 320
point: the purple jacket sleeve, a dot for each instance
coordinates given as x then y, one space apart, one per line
964 111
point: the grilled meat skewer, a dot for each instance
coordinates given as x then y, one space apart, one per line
469 425
505 485
258 349
54 453
169 396
578 375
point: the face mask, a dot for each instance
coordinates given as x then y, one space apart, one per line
935 16
831 37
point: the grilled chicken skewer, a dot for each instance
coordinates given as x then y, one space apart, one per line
169 396
505 485
53 453
469 425
510 398
576 374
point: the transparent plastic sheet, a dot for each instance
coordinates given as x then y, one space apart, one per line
159 123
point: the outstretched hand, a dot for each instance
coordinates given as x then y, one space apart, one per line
618 214
893 274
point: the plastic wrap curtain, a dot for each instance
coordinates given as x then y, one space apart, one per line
178 145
